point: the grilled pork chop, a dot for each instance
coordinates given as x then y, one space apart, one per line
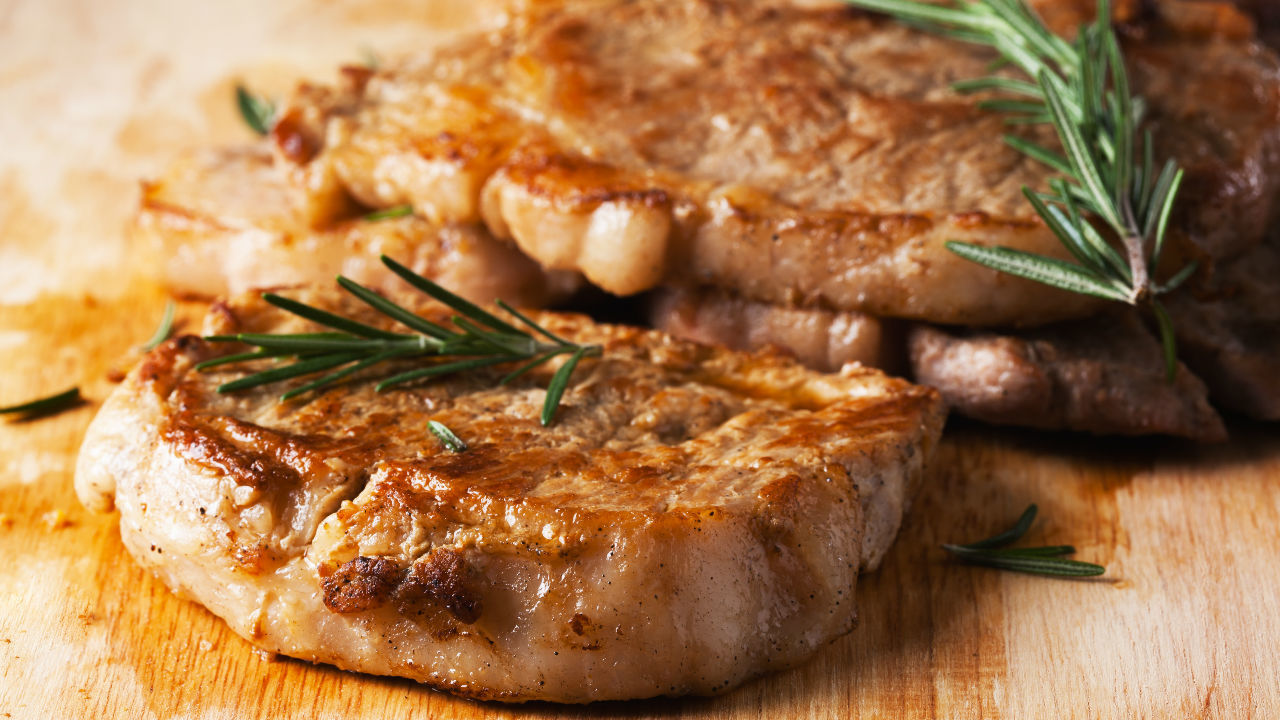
824 340
693 518
1103 375
790 155
227 220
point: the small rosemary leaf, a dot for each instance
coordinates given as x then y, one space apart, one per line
333 377
1011 535
1046 270
1039 153
1009 85
302 367
522 344
531 365
1178 278
1033 32
451 442
162 332
1046 551
1041 119
1166 209
48 405
1035 565
324 342
1167 340
258 113
466 307
443 369
1150 213
389 213
528 321
238 358
1067 233
1013 106
328 319
919 12
556 388
391 309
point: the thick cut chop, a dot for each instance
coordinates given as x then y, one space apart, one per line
803 156
824 340
1104 375
227 220
693 518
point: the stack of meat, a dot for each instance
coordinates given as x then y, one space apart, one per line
772 174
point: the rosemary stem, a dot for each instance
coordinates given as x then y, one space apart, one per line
1138 267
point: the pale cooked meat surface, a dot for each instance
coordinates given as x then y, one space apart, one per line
693 518
1104 375
791 155
824 340
227 220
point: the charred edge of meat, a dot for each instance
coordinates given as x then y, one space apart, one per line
361 584
367 583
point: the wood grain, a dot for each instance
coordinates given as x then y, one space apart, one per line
1186 623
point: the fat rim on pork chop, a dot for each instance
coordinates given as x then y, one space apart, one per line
694 517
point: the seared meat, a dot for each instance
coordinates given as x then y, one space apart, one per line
824 340
693 518
790 155
228 220
1229 332
1104 375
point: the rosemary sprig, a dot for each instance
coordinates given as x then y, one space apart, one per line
258 112
163 331
451 442
1047 560
48 405
481 340
1082 89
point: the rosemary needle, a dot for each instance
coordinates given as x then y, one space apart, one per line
1047 560
451 442
1108 170
388 213
166 327
258 112
49 405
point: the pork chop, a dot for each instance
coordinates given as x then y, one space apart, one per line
226 220
825 340
1228 330
693 518
1104 375
791 155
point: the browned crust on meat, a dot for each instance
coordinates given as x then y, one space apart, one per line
361 584
542 555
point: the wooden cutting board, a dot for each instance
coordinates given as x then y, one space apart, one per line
1186 622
